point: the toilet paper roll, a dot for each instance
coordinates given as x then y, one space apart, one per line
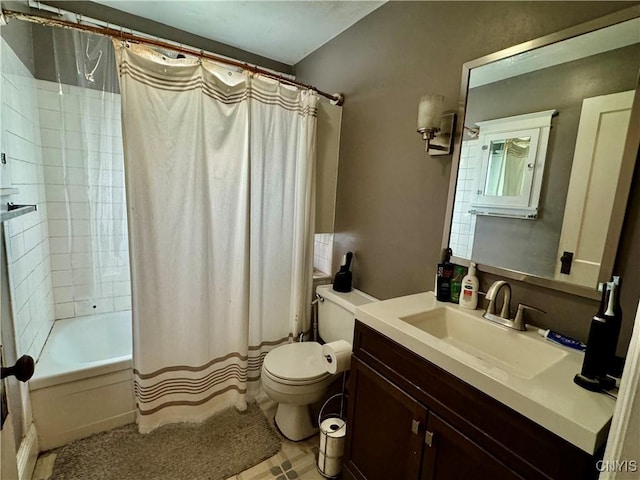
332 437
337 356
330 467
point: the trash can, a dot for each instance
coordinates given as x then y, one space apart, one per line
333 429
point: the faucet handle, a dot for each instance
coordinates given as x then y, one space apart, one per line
522 306
519 322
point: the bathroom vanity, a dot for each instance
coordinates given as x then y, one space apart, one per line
426 403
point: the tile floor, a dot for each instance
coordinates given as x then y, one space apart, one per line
296 460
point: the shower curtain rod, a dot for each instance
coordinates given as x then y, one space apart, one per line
337 98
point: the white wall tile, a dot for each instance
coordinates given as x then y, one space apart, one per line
63 294
82 260
62 278
52 138
52 156
30 282
82 276
323 250
122 303
59 228
64 310
48 100
60 261
104 290
121 288
59 245
90 172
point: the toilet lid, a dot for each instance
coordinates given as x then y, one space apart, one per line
296 362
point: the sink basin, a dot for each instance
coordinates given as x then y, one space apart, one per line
517 353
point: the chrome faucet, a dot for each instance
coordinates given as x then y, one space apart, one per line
492 295
503 318
517 323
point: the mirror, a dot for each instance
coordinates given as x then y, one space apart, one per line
545 204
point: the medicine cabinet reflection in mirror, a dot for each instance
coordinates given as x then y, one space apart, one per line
554 221
510 166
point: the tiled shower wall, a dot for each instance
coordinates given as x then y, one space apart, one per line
26 236
83 172
463 225
322 250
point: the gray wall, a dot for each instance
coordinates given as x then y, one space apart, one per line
18 35
391 196
499 241
55 51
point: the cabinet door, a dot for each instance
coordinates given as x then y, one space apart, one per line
385 428
452 455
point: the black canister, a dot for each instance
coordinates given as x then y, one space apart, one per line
342 280
603 336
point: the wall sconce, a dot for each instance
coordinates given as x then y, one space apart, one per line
472 132
436 127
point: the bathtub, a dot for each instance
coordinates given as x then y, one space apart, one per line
83 380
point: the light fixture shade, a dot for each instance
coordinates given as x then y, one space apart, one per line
430 111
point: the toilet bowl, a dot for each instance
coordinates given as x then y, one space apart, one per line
295 375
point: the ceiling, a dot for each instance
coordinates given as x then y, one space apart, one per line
286 31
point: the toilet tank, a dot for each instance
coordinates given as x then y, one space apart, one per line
336 312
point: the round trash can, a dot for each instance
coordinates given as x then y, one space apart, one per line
333 430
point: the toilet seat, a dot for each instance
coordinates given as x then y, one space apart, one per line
296 364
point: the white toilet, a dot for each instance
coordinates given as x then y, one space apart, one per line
294 375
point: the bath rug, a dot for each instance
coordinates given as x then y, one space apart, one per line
224 445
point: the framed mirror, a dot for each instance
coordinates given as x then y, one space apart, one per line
544 202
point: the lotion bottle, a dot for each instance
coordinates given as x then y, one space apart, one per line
469 293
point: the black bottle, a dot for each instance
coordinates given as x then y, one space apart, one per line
614 321
342 280
444 276
595 364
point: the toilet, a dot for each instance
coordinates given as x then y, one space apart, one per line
295 375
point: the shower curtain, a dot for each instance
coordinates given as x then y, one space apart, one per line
79 106
219 168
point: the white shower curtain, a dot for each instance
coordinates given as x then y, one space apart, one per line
219 169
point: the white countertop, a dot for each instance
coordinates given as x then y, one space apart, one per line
550 398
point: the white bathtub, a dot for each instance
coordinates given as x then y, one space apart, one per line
83 380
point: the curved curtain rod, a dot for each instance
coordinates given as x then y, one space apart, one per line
338 99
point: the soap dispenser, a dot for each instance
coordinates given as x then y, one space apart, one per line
469 293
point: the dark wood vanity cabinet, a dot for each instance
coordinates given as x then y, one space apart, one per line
389 426
409 419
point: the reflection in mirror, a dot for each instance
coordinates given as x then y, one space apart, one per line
505 173
589 81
